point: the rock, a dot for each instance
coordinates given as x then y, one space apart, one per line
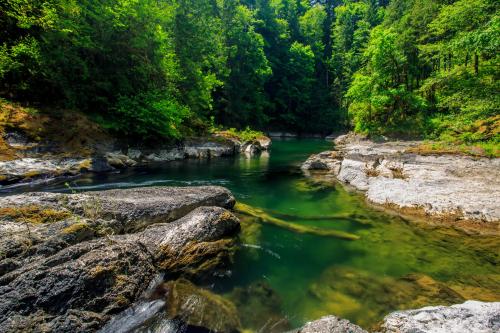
209 149
119 161
200 308
260 308
166 155
264 142
448 187
350 137
93 280
329 161
331 324
348 292
100 164
250 148
471 316
90 215
282 135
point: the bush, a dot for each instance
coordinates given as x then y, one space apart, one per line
147 115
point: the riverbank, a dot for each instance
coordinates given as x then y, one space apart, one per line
458 189
40 147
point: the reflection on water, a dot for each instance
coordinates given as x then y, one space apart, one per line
281 279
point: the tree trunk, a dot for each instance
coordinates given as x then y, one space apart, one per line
476 63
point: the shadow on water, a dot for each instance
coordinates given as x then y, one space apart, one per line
280 278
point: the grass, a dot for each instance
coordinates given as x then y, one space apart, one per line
489 149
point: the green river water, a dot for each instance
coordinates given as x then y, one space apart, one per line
281 279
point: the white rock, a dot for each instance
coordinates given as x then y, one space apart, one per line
471 316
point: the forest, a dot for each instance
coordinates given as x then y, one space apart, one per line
173 68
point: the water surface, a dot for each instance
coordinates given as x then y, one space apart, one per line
281 279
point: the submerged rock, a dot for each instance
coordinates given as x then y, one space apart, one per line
447 187
74 276
347 292
331 324
260 308
200 308
471 316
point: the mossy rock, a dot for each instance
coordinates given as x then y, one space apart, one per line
198 260
200 307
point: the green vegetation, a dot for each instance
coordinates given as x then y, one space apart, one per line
161 69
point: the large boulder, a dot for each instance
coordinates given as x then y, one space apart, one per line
471 316
39 224
81 286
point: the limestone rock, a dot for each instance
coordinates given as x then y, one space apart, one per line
471 316
331 324
447 186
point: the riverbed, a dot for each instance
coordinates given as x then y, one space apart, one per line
281 279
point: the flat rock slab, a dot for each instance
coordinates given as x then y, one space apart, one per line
471 316
445 186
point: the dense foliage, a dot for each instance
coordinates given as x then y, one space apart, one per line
153 68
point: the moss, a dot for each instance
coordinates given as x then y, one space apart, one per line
196 260
348 292
85 164
34 214
32 174
298 228
76 228
244 135
122 301
260 308
312 185
100 271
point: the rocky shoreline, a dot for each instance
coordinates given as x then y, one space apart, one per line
37 163
455 188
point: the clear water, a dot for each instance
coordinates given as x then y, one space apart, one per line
281 279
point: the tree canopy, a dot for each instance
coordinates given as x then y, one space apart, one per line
151 68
